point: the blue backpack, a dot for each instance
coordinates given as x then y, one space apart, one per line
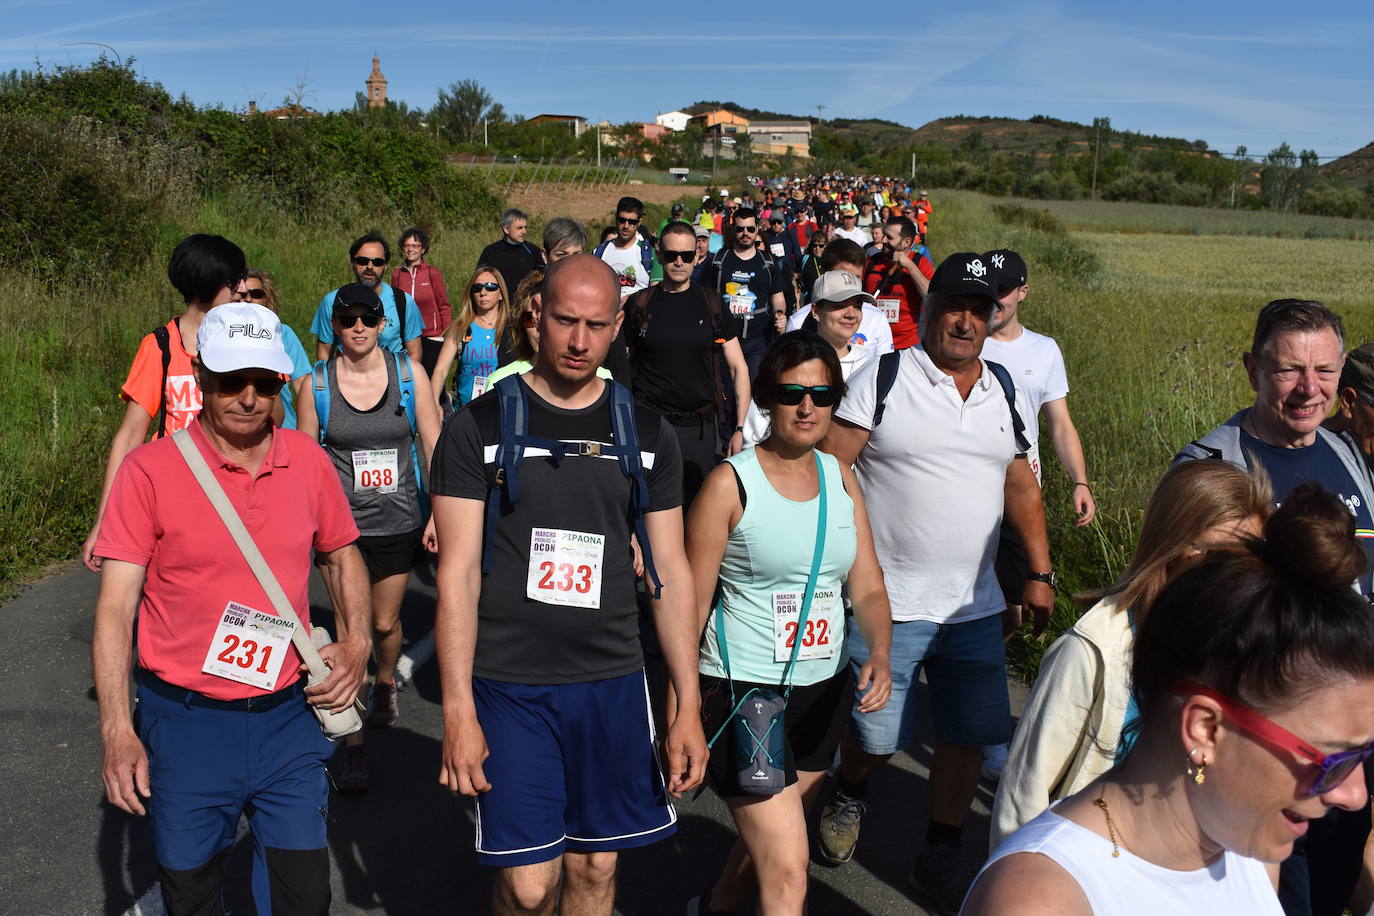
515 438
887 377
646 254
320 381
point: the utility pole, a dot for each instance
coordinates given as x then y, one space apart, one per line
1097 148
913 166
820 114
598 146
484 132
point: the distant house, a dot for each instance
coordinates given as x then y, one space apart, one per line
653 131
579 123
722 122
288 113
774 138
673 120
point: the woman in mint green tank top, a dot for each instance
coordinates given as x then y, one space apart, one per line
751 535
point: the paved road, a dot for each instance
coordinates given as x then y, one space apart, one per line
404 847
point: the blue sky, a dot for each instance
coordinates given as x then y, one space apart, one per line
1228 73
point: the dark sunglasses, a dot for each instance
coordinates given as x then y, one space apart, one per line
255 293
627 220
231 384
668 257
490 287
821 395
746 228
369 319
375 262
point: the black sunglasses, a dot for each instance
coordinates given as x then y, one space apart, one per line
490 286
746 228
821 395
348 320
668 257
231 384
255 293
627 221
375 262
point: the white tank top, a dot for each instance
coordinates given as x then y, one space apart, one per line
1130 886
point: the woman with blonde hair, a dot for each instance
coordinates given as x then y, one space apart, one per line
471 340
1080 718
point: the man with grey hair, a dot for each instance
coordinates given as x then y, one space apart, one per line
511 255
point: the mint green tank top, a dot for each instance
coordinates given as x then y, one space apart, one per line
763 573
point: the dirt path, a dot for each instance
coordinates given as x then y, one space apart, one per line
593 205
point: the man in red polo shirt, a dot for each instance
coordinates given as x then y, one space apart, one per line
224 724
898 278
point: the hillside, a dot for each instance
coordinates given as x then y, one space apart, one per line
1352 167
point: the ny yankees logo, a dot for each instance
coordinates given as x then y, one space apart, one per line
997 261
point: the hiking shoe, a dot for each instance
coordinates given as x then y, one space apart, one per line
385 710
352 775
839 829
701 906
994 761
942 876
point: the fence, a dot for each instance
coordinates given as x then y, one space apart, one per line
515 173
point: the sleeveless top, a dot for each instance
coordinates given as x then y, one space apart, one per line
767 558
1131 886
356 435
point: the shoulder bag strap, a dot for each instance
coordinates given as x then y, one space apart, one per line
816 555
309 654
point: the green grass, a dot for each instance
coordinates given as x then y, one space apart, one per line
1127 217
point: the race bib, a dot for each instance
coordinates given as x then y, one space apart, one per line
1033 456
777 249
249 646
479 386
565 567
740 298
376 469
824 624
891 309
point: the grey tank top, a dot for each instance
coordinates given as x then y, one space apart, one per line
360 442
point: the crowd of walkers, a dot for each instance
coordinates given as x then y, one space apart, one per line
780 456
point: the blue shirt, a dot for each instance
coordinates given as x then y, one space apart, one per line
300 365
479 358
323 325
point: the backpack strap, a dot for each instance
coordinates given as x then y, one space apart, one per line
319 375
600 248
646 256
1009 390
400 298
626 449
407 385
888 364
164 344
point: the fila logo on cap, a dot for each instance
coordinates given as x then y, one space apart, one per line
975 267
248 330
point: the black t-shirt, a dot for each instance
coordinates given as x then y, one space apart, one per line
824 210
526 641
513 261
755 285
673 356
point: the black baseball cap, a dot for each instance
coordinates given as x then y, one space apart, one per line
357 294
1008 268
778 216
1358 372
964 273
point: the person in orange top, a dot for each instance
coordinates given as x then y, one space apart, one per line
208 270
898 277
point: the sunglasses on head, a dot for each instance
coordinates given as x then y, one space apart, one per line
1332 769
627 220
255 293
375 262
231 384
349 319
821 395
668 257
490 286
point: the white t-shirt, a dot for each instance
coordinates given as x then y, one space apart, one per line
756 423
874 334
932 475
628 265
1037 369
860 237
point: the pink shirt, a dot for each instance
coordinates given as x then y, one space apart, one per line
159 518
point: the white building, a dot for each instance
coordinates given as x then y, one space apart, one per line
673 120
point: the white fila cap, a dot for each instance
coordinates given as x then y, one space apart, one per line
240 335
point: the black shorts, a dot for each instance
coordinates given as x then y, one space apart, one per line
1012 564
815 720
387 555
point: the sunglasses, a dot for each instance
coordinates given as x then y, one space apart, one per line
668 257
527 319
821 395
1332 769
629 221
231 384
255 293
375 262
369 319
490 286
739 228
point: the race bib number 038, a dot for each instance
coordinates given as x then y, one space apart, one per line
565 567
376 469
824 625
249 646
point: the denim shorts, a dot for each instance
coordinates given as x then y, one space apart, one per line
965 671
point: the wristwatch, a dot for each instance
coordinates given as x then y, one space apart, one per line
1048 578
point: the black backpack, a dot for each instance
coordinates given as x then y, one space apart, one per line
887 377
637 314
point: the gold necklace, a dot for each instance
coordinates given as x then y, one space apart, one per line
1111 827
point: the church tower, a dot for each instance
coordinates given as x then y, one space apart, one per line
376 86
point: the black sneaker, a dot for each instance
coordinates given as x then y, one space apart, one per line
385 709
838 832
352 774
942 877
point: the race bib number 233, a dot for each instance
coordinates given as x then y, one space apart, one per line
565 567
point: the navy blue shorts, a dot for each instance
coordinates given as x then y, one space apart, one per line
573 767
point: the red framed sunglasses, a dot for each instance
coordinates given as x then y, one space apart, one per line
1332 769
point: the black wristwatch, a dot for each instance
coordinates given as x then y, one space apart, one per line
1048 578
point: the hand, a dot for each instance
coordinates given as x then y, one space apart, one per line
347 663
736 444
88 550
637 553
780 322
1084 505
1038 598
1012 619
464 752
875 684
125 772
903 259
430 539
684 751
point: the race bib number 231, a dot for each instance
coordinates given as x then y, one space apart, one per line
249 646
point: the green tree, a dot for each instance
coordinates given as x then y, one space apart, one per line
462 108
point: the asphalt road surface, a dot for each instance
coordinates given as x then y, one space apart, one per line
406 846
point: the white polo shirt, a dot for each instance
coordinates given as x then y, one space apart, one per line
1037 368
932 475
874 334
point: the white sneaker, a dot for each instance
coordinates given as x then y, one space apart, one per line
994 761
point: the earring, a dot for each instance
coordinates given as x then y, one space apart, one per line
1199 775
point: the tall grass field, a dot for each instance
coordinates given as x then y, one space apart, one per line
1152 324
